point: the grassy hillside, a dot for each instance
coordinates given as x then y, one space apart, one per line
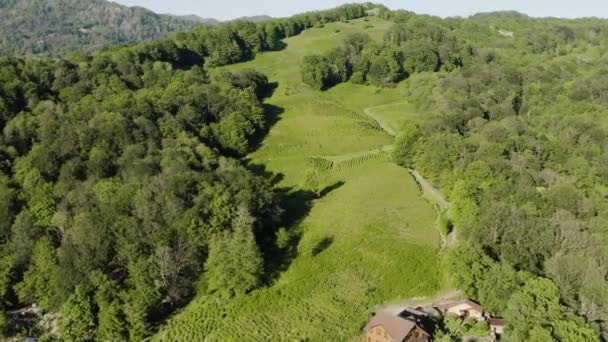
369 238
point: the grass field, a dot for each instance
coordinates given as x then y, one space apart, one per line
393 116
368 240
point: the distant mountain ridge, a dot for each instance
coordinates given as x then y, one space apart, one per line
213 21
255 18
500 15
55 27
196 18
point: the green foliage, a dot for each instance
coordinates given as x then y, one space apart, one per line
514 143
122 165
456 327
467 265
234 264
40 279
316 72
538 301
142 298
405 148
408 48
110 317
77 321
420 57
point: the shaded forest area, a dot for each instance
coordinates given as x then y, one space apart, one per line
122 191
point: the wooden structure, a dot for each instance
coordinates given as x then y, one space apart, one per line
463 308
385 327
497 326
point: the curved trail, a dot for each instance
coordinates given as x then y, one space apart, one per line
434 194
369 112
441 206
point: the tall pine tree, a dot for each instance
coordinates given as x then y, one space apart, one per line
234 265
77 321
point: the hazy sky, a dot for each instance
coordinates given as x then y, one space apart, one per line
230 9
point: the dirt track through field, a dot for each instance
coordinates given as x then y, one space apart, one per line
425 186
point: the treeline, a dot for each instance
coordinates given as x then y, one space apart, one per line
62 26
516 138
413 44
236 41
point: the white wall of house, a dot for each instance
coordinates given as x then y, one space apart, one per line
465 310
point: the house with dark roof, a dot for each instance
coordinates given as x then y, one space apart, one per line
385 327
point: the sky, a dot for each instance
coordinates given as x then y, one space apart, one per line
230 9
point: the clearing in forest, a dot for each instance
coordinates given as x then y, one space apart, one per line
368 238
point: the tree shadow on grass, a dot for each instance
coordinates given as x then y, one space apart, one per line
273 115
296 205
322 245
330 188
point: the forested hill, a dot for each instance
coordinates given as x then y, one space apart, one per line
120 183
55 27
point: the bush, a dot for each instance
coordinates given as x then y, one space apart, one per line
357 77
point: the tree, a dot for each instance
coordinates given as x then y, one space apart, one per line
405 148
419 57
110 317
39 281
354 44
77 321
468 266
234 264
498 284
538 301
142 298
316 72
379 71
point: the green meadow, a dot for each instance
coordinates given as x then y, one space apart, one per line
367 238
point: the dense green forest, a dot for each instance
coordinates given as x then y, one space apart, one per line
515 135
56 27
122 192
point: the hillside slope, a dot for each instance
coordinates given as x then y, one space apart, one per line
367 238
55 27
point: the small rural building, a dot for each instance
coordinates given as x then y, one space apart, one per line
385 327
497 326
464 308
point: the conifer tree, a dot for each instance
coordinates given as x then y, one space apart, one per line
234 264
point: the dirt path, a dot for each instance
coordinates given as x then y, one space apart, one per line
369 111
428 188
425 186
441 204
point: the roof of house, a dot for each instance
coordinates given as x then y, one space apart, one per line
397 327
413 312
445 305
496 321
